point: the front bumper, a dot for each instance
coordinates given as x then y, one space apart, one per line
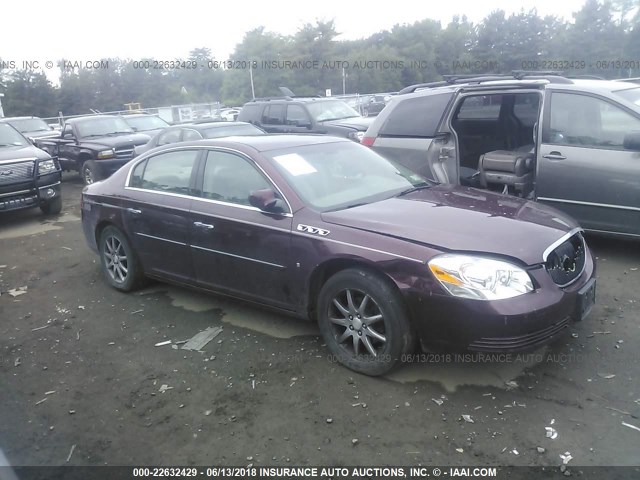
29 195
517 324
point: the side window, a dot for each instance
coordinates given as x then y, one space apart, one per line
171 136
136 175
416 117
190 134
586 121
168 172
480 107
230 178
273 115
297 116
526 107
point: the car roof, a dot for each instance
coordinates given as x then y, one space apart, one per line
307 99
7 119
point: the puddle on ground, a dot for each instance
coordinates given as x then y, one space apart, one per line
457 370
35 228
450 372
239 315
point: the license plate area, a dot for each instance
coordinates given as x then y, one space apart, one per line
586 299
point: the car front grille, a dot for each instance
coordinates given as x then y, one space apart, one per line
16 172
124 153
506 344
566 262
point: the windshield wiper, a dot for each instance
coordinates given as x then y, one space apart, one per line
415 188
118 133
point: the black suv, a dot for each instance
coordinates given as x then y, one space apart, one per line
29 177
322 115
570 143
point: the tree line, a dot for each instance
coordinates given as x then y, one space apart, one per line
603 40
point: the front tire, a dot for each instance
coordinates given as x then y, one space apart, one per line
89 172
120 264
363 321
52 207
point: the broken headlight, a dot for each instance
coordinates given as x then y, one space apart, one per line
480 278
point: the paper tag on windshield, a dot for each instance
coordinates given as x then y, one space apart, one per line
295 164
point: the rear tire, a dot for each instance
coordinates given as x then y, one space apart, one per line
363 320
52 207
120 264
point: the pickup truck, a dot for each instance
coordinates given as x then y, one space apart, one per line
29 177
95 146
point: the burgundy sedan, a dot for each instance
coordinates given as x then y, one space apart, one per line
328 230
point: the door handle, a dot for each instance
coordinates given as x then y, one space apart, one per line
554 156
208 226
134 211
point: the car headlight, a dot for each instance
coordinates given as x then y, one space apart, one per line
46 166
357 136
480 278
106 153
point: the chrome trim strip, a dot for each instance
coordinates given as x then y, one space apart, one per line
589 204
238 205
202 147
560 241
324 239
18 160
170 194
222 217
617 234
162 239
52 185
238 256
14 193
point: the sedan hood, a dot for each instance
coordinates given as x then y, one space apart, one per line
357 123
462 219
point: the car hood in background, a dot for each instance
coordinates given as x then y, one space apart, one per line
116 141
357 123
462 219
22 153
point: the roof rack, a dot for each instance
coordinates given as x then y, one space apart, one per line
550 75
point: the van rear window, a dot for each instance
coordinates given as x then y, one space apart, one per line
416 117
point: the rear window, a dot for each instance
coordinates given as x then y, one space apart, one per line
416 117
250 113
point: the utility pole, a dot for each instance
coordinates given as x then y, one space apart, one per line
253 91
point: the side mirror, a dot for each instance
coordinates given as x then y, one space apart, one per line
632 142
267 201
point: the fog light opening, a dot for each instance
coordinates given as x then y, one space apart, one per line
50 192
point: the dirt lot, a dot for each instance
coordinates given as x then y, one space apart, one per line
79 366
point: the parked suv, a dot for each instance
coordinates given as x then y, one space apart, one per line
288 114
573 144
31 127
29 177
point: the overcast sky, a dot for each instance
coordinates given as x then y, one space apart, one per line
81 30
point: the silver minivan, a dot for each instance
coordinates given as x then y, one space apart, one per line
570 143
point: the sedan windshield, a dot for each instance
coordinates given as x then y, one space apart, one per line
145 122
10 137
98 127
31 125
331 110
334 176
